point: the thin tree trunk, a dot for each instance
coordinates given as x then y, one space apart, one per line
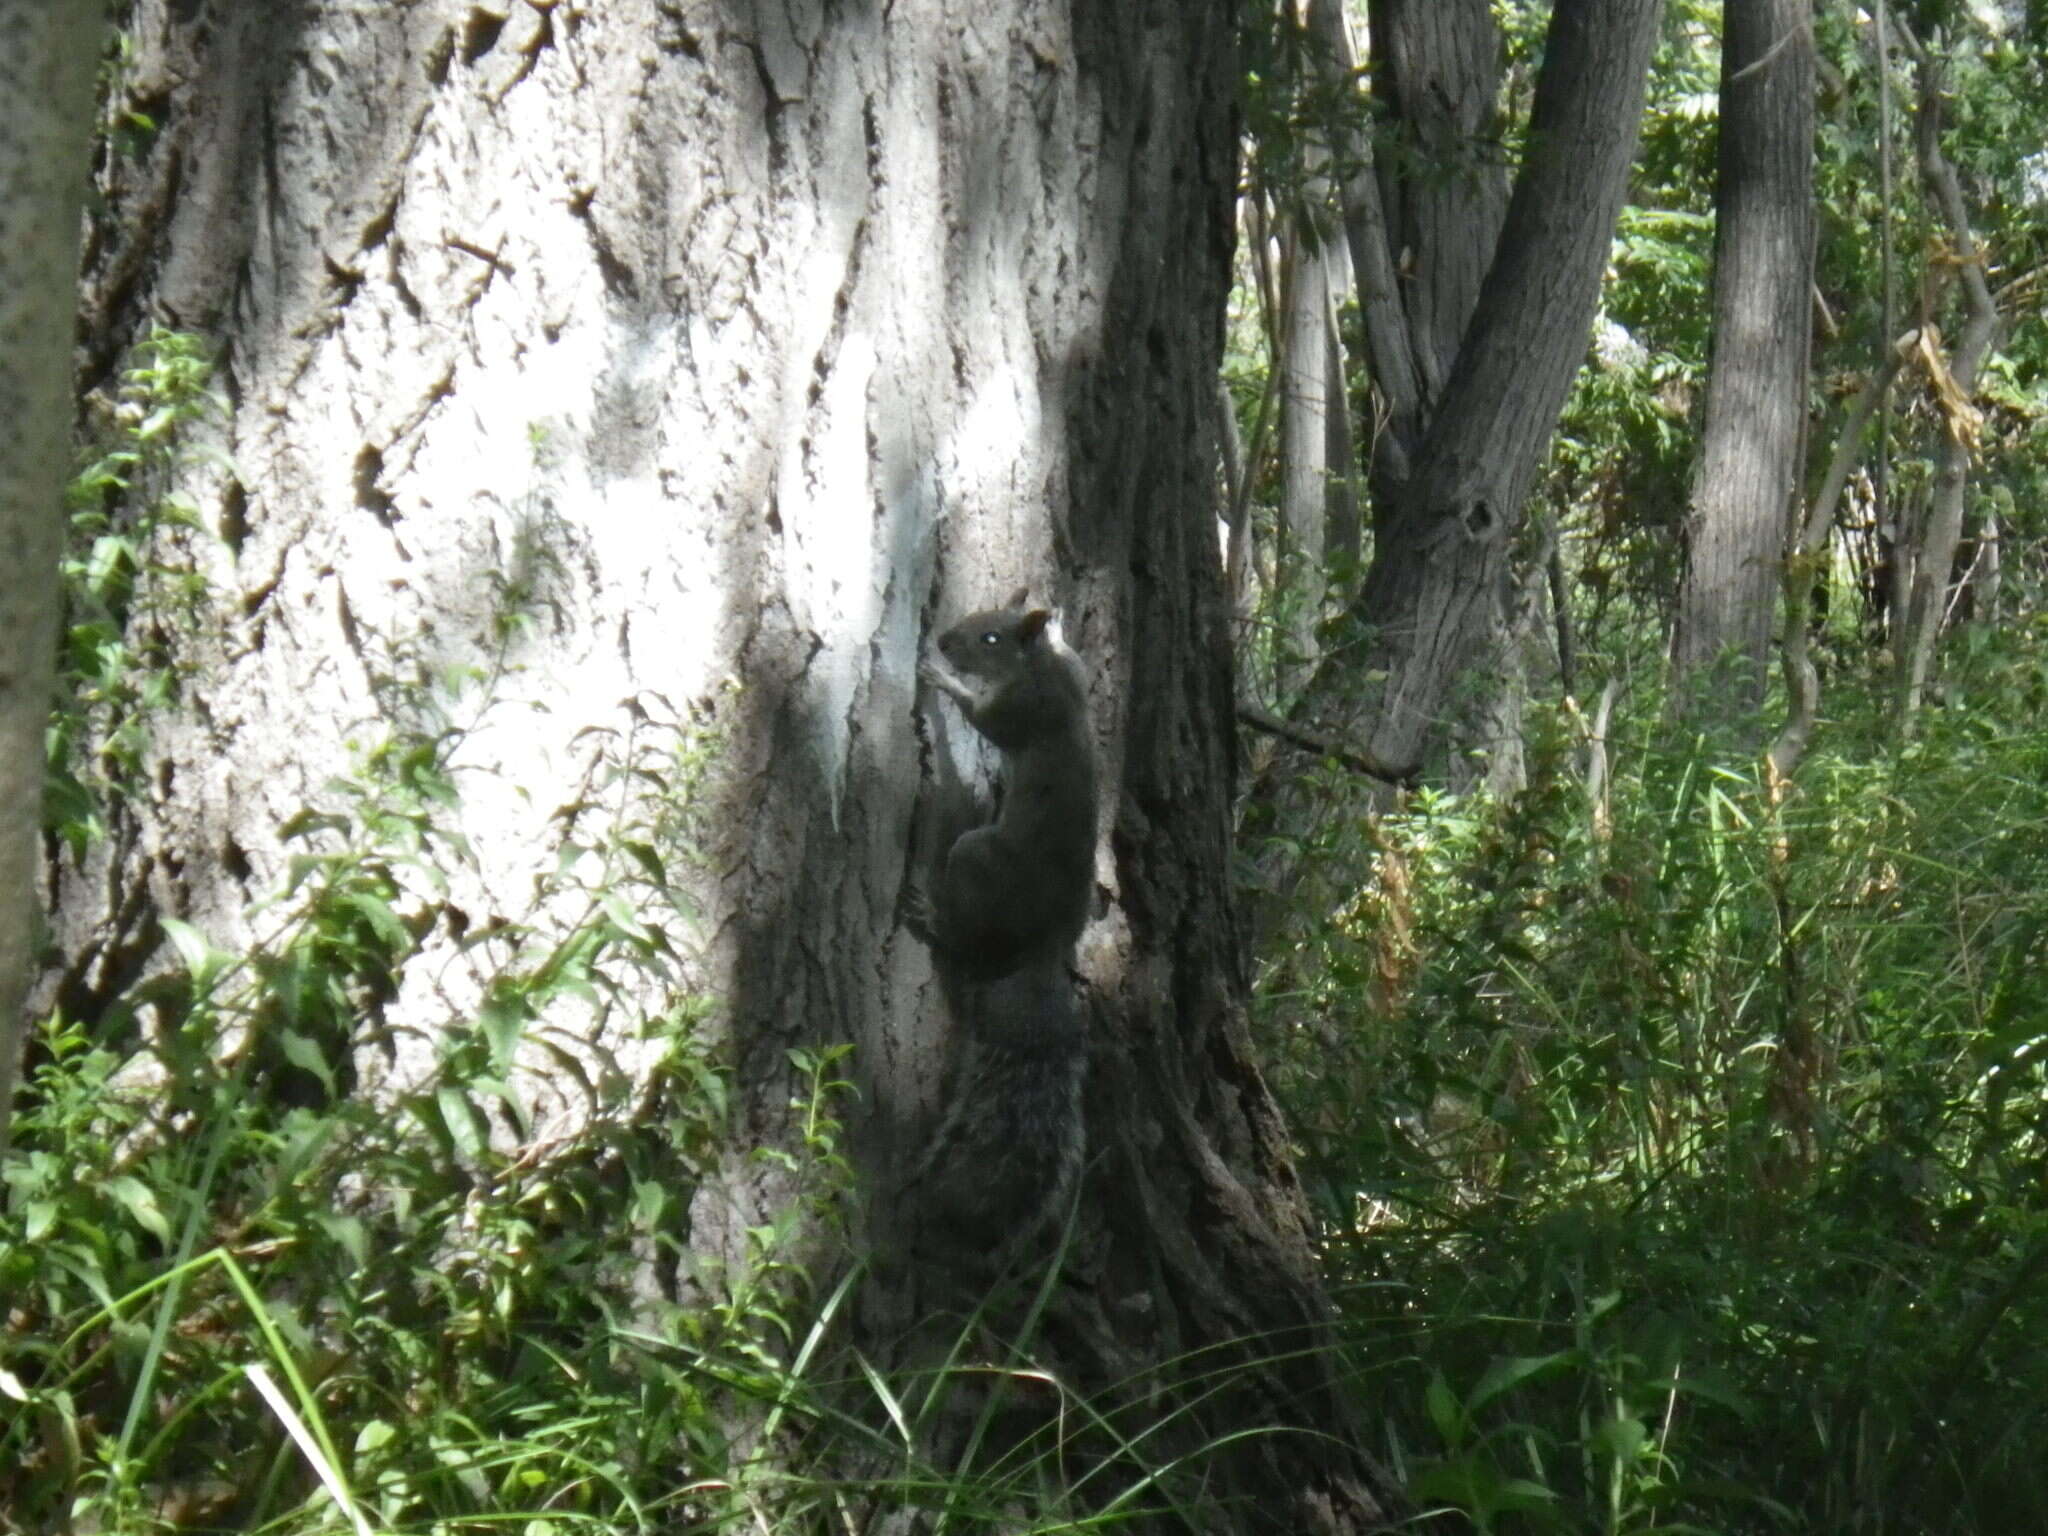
1305 364
1389 354
1892 589
1986 570
1933 554
1754 434
46 72
1803 565
1343 508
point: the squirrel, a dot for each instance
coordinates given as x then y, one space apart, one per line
1007 900
1018 888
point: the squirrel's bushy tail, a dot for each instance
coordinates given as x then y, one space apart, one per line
995 1181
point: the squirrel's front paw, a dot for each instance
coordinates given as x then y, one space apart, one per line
942 677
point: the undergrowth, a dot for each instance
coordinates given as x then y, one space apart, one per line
1692 1150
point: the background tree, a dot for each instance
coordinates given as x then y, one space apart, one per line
1925 558
1753 435
1465 434
1434 206
1436 587
45 80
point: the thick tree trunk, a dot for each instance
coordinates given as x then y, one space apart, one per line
1754 436
740 344
1472 373
1436 592
45 104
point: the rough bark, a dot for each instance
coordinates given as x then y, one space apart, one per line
1753 437
1473 373
1429 212
45 105
830 322
1444 189
1420 226
1437 588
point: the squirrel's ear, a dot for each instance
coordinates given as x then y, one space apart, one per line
1033 625
1018 598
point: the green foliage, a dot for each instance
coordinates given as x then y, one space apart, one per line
1698 1162
1687 1151
134 582
458 1311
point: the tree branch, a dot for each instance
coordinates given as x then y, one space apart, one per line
1325 746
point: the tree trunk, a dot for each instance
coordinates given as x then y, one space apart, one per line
646 353
1421 224
1754 436
1436 70
1306 362
1930 557
45 105
1344 511
1436 595
1472 374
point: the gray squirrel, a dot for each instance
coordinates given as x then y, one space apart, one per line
1007 897
1017 888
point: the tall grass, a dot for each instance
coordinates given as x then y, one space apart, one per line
1695 1158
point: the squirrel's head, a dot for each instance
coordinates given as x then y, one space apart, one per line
999 641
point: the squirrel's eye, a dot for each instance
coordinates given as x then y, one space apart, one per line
991 639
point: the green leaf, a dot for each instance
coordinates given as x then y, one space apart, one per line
139 1201
650 1199
383 921
1620 1439
465 1122
202 961
645 856
307 1056
347 1232
503 1019
374 1436
622 915
39 1217
1445 1412
1507 1374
